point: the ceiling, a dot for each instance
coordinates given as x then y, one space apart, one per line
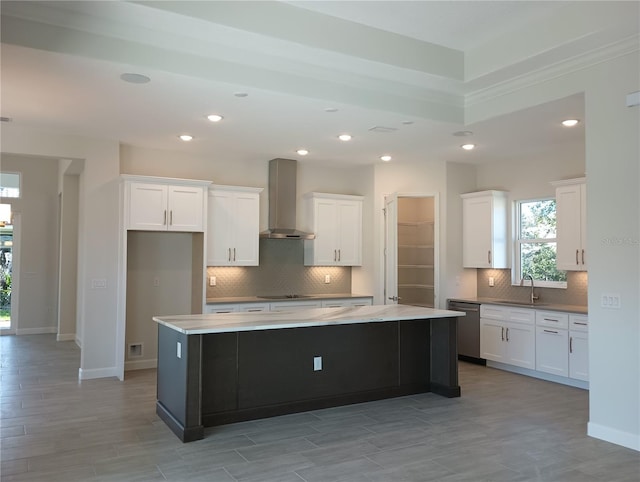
410 68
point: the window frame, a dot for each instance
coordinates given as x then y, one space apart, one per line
19 196
517 242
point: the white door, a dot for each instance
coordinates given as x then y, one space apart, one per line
492 340
246 224
477 232
579 355
391 250
569 229
185 209
147 206
325 243
551 351
521 343
220 219
349 233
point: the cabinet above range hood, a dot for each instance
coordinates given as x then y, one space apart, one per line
282 201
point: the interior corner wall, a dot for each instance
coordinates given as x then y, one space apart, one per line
68 258
612 154
98 228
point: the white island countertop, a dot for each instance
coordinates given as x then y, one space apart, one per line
273 320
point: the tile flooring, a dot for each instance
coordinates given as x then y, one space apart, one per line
505 427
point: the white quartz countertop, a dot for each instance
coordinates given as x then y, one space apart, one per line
269 320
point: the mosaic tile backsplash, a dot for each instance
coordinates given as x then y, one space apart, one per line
281 271
575 294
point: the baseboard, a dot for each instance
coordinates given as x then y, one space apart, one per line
37 331
572 382
140 364
97 373
66 337
618 437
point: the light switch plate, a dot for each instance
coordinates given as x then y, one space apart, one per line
610 301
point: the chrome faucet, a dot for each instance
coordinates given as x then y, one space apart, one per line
534 297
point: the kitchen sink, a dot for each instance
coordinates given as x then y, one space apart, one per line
284 297
517 303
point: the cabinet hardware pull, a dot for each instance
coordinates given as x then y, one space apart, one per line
165 218
577 257
234 254
507 334
339 255
502 333
171 217
489 256
550 331
580 323
583 256
228 254
570 344
551 319
335 255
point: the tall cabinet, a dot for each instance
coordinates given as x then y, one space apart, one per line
484 230
571 227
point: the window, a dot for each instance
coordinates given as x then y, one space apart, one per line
9 184
535 249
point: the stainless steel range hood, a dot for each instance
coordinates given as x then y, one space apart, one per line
282 201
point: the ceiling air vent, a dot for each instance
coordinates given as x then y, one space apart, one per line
382 129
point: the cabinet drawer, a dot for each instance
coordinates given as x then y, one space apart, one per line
508 313
253 307
220 308
552 319
494 312
522 315
579 322
294 305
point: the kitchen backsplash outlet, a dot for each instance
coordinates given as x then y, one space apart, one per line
574 294
281 271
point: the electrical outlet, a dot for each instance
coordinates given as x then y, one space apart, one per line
492 281
212 280
156 281
317 363
179 349
327 278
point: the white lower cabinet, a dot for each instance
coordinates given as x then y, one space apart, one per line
287 305
294 305
346 303
544 342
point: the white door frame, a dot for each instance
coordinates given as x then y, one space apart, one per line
15 275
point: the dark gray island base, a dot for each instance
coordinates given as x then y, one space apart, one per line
212 378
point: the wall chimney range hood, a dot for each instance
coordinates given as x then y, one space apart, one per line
282 201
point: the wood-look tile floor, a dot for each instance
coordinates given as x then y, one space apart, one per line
505 427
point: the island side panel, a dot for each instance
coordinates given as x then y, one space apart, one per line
415 346
178 392
444 357
220 372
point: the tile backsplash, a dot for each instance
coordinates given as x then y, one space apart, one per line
574 294
281 271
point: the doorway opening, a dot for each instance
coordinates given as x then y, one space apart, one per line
6 275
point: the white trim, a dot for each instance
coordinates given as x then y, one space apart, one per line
618 437
37 331
16 252
572 382
140 364
97 373
67 337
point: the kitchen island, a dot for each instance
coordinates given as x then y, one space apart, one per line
222 368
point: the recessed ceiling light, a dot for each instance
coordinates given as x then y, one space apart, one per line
385 158
468 147
462 133
215 117
344 137
241 94
135 78
331 109
186 137
570 122
302 152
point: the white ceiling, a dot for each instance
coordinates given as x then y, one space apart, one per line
382 63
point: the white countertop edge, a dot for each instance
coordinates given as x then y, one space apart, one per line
241 321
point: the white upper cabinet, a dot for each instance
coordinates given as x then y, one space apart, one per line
336 220
484 229
164 204
233 226
571 224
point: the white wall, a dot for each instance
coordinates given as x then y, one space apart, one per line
612 168
68 257
38 206
98 236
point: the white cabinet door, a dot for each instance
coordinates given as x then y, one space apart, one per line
521 344
492 340
484 230
147 206
336 221
185 208
571 226
579 355
552 351
233 226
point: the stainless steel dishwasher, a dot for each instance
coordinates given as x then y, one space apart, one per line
468 331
